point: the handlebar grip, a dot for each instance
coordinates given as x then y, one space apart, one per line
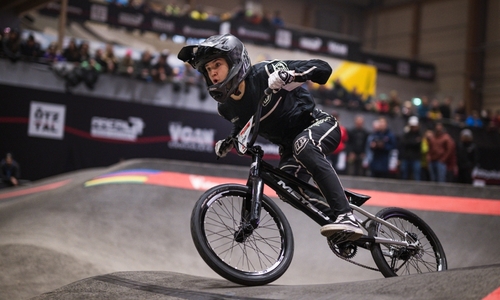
268 91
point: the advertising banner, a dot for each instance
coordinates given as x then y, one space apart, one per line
52 133
357 76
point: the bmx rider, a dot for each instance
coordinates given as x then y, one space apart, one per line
289 119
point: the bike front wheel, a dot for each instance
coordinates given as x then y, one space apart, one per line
426 255
261 257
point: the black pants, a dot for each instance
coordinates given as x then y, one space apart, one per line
307 157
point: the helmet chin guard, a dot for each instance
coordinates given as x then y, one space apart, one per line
225 46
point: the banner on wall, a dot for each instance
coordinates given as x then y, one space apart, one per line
357 76
56 133
51 133
403 68
46 120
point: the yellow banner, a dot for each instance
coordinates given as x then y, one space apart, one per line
357 76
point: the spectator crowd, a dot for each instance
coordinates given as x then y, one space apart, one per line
428 112
420 153
252 12
76 64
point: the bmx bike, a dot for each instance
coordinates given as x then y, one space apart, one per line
244 236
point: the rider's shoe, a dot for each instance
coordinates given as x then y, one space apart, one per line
345 228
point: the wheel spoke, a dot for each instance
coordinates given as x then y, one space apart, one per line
423 255
260 250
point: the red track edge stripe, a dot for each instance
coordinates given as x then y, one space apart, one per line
33 190
495 295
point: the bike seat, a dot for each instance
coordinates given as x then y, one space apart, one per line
355 198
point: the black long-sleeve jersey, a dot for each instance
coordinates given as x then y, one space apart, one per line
285 113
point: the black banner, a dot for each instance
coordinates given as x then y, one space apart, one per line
401 67
77 10
51 133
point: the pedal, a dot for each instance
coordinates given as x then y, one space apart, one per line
341 236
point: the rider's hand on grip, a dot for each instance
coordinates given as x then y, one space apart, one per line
223 147
279 79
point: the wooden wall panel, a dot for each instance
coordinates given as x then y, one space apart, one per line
389 32
443 42
491 85
436 14
393 22
398 46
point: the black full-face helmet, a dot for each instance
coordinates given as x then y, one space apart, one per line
225 46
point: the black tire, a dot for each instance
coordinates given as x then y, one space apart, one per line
394 260
261 258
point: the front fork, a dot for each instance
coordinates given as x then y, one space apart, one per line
251 207
257 186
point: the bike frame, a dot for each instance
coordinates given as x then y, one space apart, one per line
287 187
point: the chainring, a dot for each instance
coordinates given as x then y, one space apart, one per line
345 250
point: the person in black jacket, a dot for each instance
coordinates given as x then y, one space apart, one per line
467 156
10 171
11 44
289 117
356 147
411 150
31 49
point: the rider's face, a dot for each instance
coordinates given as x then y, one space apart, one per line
217 70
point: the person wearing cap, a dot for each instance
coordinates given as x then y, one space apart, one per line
10 171
467 156
410 150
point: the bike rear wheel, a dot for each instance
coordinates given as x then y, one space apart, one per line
263 255
394 260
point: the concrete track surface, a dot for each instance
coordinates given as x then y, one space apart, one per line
132 241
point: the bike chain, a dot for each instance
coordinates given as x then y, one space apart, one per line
332 247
